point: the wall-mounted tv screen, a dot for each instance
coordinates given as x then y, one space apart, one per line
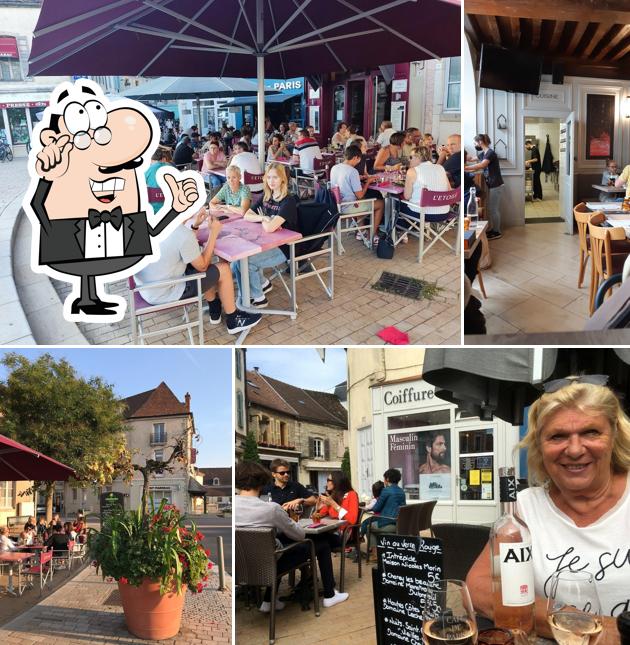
509 70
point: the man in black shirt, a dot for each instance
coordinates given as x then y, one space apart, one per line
183 153
451 159
535 163
287 493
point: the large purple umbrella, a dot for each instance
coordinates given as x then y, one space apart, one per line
20 463
240 38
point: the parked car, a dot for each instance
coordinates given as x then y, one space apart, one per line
226 510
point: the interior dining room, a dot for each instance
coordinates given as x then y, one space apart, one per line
549 84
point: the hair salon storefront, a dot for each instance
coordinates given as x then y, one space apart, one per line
440 454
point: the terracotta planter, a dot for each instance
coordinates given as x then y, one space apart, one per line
148 614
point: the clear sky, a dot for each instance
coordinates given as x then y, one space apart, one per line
204 372
301 367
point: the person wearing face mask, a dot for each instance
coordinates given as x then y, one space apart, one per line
489 163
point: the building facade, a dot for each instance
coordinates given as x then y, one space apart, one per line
13 501
240 401
22 97
304 427
217 483
397 421
155 420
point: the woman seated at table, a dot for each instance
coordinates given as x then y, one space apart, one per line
276 208
42 528
387 507
423 173
340 502
252 512
341 136
278 150
233 196
578 505
58 540
30 523
389 156
6 543
214 159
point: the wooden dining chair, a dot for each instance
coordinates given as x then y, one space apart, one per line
582 216
605 263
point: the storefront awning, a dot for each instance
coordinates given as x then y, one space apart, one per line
281 455
501 382
195 488
24 99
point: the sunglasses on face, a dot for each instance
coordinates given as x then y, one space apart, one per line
329 480
282 472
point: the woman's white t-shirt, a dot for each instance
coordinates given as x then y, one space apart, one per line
432 176
602 548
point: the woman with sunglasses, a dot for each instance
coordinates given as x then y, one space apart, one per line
578 506
340 502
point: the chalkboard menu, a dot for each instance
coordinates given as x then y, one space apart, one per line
110 503
408 567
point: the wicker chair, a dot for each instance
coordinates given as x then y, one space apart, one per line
257 565
411 519
462 543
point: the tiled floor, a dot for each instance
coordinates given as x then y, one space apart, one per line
354 316
548 207
532 283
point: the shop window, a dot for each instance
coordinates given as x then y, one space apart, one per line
18 125
476 465
424 460
74 494
318 448
238 364
419 419
339 105
239 408
453 85
157 495
382 101
284 434
11 70
313 116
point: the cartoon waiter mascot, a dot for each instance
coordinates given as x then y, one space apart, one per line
88 199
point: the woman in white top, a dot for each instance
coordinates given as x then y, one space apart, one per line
423 173
578 512
6 543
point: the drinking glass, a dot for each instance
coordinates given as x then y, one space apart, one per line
449 617
573 608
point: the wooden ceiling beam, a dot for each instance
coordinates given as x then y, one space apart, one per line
489 30
578 32
614 35
508 37
620 50
596 38
555 36
611 11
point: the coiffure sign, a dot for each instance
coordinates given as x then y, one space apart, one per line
406 395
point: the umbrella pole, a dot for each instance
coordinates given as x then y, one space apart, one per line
201 128
260 74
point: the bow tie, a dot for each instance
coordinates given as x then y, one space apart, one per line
115 217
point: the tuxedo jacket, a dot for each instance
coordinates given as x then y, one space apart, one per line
64 240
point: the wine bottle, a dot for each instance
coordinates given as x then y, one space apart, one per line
472 210
511 560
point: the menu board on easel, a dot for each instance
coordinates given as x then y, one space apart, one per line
408 567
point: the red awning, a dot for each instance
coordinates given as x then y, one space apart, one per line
20 463
8 47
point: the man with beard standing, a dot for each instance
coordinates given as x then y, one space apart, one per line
435 446
535 163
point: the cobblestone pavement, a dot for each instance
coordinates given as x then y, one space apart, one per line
349 623
87 610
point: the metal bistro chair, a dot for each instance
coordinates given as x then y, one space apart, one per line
411 519
43 569
305 181
461 544
350 537
419 224
139 307
64 561
257 565
351 220
251 180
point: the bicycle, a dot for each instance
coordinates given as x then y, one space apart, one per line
5 151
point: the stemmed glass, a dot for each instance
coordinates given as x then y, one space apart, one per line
448 616
573 608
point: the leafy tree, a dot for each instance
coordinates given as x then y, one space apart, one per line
45 405
345 463
250 448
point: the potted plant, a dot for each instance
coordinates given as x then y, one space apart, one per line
154 558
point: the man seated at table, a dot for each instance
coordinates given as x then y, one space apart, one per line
292 135
247 162
346 177
450 159
6 543
214 159
233 196
161 157
180 256
411 141
250 511
307 150
184 154
283 490
385 132
58 540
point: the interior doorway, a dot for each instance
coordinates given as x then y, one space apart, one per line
542 196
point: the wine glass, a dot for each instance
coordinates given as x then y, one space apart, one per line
573 608
448 616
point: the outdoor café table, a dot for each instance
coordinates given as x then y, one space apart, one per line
12 558
480 231
389 190
219 172
608 189
323 526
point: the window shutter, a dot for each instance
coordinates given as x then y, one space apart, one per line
326 449
311 448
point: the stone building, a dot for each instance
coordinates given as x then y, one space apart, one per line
217 483
240 401
304 427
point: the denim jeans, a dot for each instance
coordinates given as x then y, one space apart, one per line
215 181
494 211
258 262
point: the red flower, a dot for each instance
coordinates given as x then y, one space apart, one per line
205 578
198 536
166 529
207 552
123 580
199 588
168 507
209 565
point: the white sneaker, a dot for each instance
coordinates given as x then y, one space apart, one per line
336 599
265 607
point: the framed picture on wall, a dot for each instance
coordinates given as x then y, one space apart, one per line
600 126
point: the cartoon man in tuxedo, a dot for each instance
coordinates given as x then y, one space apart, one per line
88 199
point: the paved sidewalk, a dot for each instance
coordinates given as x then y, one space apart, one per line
87 610
350 623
